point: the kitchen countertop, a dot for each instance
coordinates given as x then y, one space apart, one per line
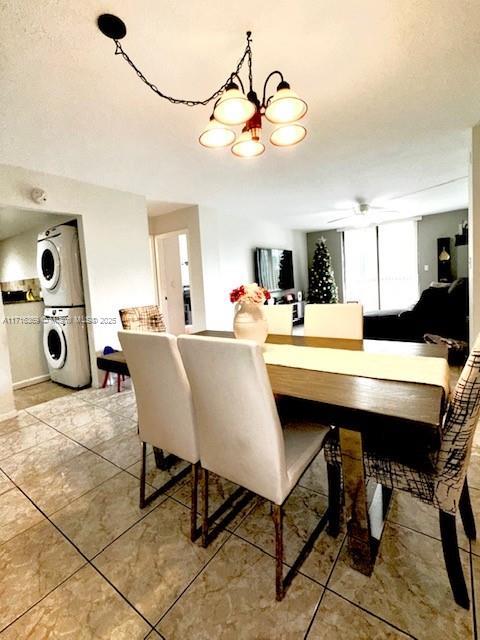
9 302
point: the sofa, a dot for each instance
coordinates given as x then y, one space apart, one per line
441 310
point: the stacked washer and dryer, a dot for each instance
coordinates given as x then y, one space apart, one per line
65 341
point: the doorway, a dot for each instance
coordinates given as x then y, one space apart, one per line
22 306
173 279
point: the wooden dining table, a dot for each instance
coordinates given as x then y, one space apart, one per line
359 405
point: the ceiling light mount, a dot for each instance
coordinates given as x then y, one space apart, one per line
112 26
232 104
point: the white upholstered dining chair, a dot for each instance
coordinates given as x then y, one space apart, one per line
164 404
334 321
441 480
279 318
239 431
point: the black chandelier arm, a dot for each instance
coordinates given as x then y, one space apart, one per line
270 75
119 50
235 75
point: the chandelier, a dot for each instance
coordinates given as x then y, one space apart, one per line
232 106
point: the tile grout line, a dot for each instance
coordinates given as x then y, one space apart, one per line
15 486
472 586
325 588
405 526
54 468
228 537
48 517
32 606
89 561
370 613
82 495
330 590
43 421
84 557
428 535
85 447
270 555
230 534
131 527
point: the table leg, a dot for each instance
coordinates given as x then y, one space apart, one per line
362 555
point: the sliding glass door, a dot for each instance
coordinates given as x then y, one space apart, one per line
380 265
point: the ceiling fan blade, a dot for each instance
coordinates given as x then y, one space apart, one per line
384 209
340 219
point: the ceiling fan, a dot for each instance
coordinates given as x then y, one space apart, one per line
362 210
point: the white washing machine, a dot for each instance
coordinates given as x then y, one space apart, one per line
65 346
58 267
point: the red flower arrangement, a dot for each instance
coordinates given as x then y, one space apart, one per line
250 293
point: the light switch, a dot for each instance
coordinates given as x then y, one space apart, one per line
426 267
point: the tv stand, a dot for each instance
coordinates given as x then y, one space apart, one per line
298 312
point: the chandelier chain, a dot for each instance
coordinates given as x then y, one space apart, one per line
191 103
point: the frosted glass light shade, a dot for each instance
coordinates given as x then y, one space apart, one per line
287 135
233 107
216 135
285 106
247 147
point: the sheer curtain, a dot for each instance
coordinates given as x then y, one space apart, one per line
380 265
398 268
361 267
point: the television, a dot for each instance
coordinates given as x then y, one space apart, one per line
274 269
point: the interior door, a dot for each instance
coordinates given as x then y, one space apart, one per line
169 282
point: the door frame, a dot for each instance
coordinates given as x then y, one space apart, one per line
159 268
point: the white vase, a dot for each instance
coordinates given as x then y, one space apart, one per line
249 322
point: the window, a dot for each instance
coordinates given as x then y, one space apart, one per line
380 265
361 267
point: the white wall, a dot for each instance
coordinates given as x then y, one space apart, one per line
18 254
474 235
221 256
25 343
113 230
228 244
7 406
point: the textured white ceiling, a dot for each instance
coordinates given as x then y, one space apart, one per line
15 221
393 88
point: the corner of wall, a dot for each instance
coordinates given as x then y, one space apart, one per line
7 403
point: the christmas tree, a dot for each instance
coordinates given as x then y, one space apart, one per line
322 288
285 271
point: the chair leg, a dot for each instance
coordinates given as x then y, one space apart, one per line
334 499
143 473
466 513
119 386
159 458
277 515
453 563
105 379
204 510
194 501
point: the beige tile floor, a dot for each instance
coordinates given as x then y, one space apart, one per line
80 560
37 393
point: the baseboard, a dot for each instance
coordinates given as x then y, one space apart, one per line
30 381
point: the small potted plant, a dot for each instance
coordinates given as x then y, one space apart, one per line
249 322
